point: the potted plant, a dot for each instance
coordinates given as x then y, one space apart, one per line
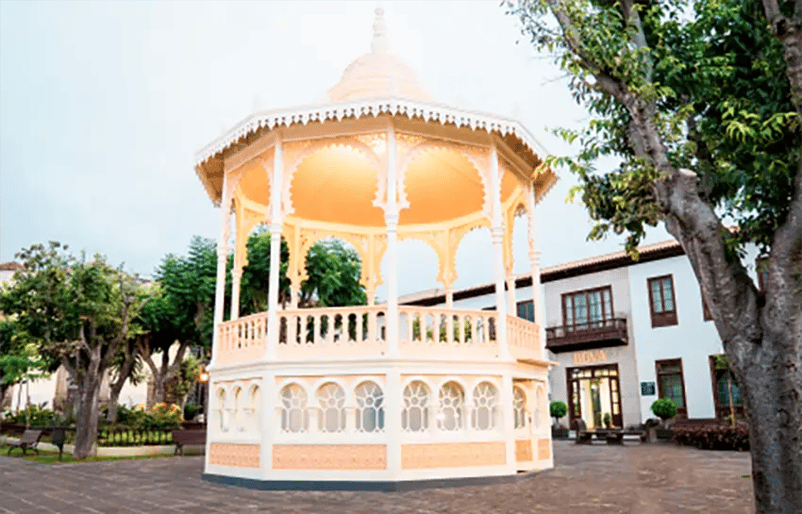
558 410
665 409
608 420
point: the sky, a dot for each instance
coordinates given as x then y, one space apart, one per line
103 106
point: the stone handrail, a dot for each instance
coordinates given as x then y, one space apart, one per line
524 338
359 331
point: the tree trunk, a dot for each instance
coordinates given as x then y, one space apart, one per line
88 412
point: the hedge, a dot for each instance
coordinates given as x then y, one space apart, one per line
713 437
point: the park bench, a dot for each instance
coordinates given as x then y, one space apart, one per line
583 435
29 440
183 437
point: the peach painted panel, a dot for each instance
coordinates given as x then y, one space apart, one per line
235 455
453 455
319 456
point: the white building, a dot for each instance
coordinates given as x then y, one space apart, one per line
624 333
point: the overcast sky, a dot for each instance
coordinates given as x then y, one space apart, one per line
104 104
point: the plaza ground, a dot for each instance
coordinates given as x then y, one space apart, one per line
636 479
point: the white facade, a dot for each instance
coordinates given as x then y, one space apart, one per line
691 341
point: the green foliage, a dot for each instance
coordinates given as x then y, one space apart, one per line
664 408
607 419
558 409
713 437
715 76
191 409
166 416
182 384
34 416
333 271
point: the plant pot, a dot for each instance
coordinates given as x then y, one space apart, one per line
559 433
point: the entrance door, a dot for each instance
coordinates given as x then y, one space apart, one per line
594 391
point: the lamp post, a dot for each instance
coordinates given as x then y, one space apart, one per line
203 380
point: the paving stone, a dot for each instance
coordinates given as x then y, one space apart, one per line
635 478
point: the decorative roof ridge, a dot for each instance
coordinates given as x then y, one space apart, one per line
368 107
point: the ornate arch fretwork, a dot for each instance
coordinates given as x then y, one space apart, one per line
412 146
295 153
247 217
515 205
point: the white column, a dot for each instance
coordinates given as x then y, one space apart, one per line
393 402
236 278
508 420
534 259
295 292
497 233
391 219
513 307
220 284
275 248
449 297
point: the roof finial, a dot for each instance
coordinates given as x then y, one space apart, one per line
379 43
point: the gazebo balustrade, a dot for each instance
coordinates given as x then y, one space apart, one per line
337 333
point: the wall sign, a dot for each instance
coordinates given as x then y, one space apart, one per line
589 357
647 388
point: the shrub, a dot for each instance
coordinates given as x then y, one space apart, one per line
191 410
34 415
607 419
558 410
167 416
664 408
713 437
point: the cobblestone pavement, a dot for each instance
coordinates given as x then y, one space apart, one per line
634 479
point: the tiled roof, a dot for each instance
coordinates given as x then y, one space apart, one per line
10 266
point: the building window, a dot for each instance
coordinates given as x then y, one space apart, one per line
485 402
526 310
452 400
670 383
294 417
519 407
222 415
583 310
415 416
370 407
723 384
762 268
662 302
331 400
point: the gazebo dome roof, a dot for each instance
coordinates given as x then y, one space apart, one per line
378 74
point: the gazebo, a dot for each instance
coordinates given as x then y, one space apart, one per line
380 396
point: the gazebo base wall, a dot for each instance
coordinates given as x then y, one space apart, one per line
361 485
376 425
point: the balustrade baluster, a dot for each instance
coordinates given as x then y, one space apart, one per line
450 329
358 319
461 329
474 330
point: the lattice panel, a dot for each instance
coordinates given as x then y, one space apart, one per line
543 449
235 455
453 455
318 456
523 450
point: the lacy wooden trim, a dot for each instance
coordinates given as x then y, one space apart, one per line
523 450
234 455
341 457
453 455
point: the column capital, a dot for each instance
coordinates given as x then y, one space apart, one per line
276 227
391 219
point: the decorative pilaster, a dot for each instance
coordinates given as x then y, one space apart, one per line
513 306
220 284
275 249
497 234
534 259
391 219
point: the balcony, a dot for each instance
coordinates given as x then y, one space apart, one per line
586 336
341 333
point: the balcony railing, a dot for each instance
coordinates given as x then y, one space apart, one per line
360 332
596 334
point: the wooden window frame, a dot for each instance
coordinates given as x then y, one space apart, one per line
526 302
722 409
664 318
682 412
586 292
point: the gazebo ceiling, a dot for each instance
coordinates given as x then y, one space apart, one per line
338 184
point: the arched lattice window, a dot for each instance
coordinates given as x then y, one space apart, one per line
331 399
370 407
452 402
222 415
294 417
485 401
236 411
519 406
415 416
254 409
